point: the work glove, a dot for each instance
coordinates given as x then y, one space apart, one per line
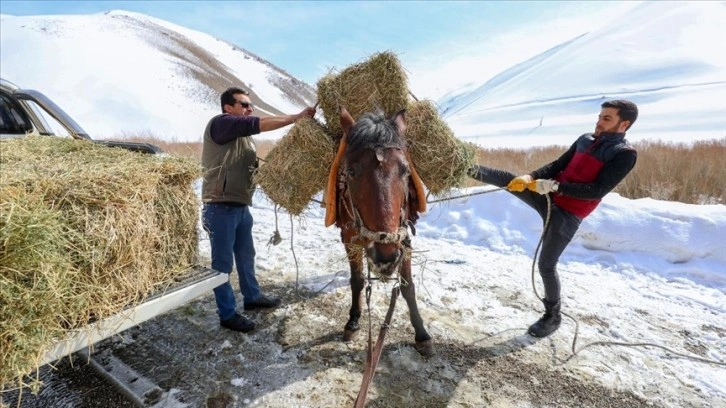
519 184
544 186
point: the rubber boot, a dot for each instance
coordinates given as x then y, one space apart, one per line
549 322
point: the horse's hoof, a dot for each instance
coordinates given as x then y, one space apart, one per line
425 348
349 335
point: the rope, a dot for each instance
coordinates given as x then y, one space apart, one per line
577 324
292 248
466 195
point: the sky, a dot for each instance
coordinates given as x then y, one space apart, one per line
308 38
511 79
637 271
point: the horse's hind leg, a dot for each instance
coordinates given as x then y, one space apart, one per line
424 344
355 258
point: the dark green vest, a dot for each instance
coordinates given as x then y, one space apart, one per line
228 169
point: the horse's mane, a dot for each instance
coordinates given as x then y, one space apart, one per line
373 130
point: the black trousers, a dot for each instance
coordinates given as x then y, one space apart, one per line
562 227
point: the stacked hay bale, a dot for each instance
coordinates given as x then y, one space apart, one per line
377 83
85 231
442 160
297 167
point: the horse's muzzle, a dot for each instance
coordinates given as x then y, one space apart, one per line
384 259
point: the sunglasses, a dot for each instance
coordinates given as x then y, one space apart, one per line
245 104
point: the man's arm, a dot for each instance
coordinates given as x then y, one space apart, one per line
226 128
276 122
611 174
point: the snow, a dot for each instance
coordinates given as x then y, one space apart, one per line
652 271
660 55
120 74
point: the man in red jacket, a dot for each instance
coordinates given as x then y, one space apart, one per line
576 182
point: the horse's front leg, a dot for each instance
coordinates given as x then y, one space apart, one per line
424 344
355 258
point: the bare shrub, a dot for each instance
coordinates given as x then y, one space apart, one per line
689 173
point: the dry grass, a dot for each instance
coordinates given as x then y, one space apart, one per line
379 82
294 170
691 174
440 158
85 231
664 171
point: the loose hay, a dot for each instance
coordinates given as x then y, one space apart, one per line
85 231
378 82
297 167
441 159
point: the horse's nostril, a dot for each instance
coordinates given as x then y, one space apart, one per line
384 254
382 237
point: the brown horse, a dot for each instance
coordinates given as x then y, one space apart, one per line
374 196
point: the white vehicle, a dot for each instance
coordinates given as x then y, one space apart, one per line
26 112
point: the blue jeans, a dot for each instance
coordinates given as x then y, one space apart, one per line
230 236
562 228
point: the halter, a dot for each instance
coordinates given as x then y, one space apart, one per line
400 236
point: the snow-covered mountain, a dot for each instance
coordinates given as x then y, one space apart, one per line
665 56
121 73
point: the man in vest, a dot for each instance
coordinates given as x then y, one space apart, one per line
229 160
576 182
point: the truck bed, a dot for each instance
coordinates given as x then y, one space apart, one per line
197 282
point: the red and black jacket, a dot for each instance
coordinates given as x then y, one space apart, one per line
590 169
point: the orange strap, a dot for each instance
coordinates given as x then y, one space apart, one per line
330 197
418 185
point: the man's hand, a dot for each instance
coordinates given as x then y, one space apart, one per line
544 186
308 112
518 184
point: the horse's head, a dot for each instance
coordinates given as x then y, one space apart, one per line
378 181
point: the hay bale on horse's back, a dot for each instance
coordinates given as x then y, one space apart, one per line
297 167
441 160
378 82
85 231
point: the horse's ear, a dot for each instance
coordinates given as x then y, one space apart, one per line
346 121
400 120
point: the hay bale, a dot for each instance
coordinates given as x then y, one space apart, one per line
297 167
440 158
378 82
85 231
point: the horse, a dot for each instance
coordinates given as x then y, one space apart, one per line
374 196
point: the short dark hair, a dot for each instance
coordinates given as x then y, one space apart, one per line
227 97
626 110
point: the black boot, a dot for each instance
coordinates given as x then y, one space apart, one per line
549 322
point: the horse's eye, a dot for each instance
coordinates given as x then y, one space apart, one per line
405 170
350 172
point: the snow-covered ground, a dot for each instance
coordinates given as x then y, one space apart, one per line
638 271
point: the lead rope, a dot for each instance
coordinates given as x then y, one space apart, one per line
374 353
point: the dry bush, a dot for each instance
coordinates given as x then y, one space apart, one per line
678 172
264 147
85 231
172 147
665 171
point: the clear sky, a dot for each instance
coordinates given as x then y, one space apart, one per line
308 38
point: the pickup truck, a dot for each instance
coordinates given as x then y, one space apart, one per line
26 112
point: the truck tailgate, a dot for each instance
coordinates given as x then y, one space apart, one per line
202 281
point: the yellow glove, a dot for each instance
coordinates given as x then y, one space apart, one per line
518 184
